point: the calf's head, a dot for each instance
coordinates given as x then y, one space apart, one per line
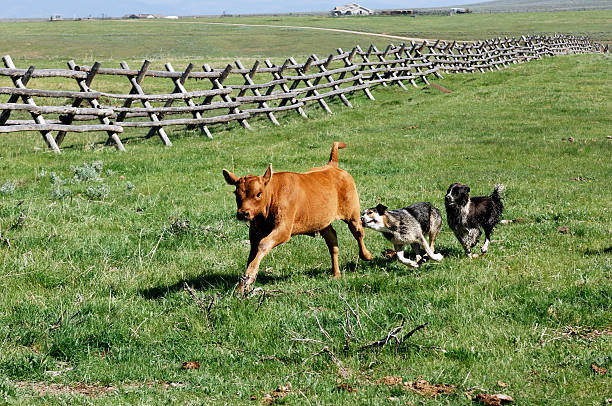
251 195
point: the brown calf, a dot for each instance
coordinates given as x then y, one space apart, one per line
280 205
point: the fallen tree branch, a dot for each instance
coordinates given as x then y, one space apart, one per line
353 312
342 371
394 335
207 308
391 334
325 333
414 330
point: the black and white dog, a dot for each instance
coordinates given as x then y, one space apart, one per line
466 216
408 225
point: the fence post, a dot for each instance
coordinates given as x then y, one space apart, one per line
84 85
348 61
218 84
38 118
248 80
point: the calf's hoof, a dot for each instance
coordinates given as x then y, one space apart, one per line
366 256
244 285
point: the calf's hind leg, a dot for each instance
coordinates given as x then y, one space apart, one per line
331 239
354 225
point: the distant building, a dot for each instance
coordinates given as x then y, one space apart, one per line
397 12
351 9
149 16
56 17
171 17
459 10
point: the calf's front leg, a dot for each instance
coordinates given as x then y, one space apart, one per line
276 237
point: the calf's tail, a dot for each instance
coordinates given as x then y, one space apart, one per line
333 156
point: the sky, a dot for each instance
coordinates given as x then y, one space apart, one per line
118 8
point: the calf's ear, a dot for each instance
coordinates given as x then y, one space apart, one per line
230 178
268 175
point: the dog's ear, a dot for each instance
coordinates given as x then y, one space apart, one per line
230 178
467 189
268 175
381 209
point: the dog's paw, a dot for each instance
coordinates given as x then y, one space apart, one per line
437 257
473 255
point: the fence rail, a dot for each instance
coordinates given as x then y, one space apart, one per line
267 90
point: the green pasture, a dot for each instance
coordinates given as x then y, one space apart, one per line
96 247
196 39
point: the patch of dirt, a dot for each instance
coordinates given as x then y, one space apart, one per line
421 386
441 88
56 389
581 179
190 365
599 370
493 400
427 389
582 333
563 230
390 380
277 394
87 389
345 387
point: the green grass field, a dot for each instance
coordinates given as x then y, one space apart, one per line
193 39
94 258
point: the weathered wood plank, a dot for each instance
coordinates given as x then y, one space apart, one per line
57 109
13 98
336 92
47 137
274 109
84 84
186 121
137 89
60 127
167 96
49 93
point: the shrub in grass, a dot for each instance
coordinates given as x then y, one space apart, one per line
8 188
97 192
87 173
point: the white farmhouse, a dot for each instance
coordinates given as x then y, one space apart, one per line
351 9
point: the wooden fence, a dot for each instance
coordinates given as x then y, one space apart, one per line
237 93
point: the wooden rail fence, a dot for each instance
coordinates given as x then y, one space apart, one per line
265 90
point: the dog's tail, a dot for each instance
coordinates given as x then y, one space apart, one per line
333 156
497 197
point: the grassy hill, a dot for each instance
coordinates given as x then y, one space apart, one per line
96 247
544 5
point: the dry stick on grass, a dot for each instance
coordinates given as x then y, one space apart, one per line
342 371
394 334
206 308
355 314
60 321
305 339
325 333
